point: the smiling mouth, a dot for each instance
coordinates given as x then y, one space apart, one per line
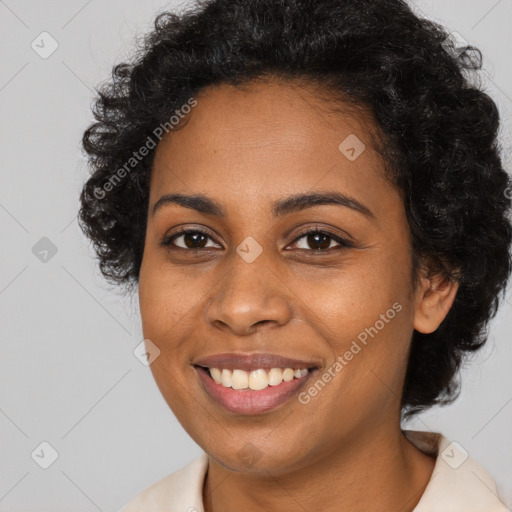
248 393
254 380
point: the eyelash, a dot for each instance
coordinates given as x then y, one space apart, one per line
343 243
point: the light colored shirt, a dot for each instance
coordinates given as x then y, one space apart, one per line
458 483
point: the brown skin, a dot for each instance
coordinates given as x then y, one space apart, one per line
344 450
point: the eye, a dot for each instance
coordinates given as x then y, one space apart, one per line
320 240
193 239
316 240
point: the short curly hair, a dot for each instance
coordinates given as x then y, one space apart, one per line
439 140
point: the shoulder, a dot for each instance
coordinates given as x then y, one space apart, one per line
182 490
458 482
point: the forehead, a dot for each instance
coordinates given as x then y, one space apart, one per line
266 138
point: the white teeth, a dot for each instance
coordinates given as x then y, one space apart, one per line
226 378
239 379
216 375
275 376
288 374
256 379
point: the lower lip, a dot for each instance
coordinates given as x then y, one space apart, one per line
248 401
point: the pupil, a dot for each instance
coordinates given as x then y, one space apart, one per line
193 236
324 245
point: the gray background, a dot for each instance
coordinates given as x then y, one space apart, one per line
68 374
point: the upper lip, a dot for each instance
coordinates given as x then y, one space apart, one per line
250 362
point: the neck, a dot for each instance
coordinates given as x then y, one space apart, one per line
384 469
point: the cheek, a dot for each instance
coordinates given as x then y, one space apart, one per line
167 296
354 296
365 317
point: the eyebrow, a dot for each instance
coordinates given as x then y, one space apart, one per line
295 203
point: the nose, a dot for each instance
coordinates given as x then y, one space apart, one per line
250 297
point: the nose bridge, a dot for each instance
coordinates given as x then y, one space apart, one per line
250 293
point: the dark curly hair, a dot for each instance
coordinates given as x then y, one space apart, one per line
438 135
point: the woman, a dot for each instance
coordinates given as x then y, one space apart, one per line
309 198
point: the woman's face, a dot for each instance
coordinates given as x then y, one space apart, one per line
251 283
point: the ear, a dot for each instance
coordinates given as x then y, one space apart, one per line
434 299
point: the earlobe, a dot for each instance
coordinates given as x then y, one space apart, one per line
435 298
